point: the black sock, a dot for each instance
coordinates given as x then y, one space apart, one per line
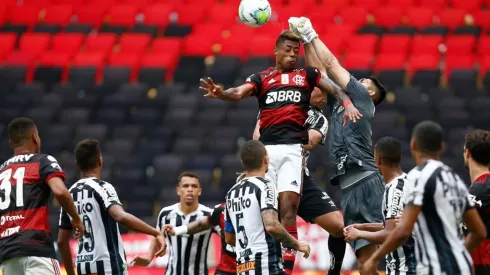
337 252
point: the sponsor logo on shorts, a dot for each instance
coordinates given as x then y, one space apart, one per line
294 183
245 267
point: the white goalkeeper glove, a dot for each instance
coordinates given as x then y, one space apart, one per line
303 27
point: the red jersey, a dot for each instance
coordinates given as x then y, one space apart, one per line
284 99
480 192
24 197
227 263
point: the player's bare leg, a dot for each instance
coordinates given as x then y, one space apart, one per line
364 253
333 223
288 208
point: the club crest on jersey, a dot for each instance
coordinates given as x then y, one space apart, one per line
299 80
284 79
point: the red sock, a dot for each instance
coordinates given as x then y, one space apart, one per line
289 254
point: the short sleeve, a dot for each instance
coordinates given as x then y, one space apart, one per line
49 168
420 191
321 125
109 195
269 197
215 216
256 81
394 204
477 194
313 76
228 224
65 221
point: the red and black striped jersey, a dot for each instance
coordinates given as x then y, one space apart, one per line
24 197
284 99
480 194
227 262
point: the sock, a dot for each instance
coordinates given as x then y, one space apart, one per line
289 254
337 252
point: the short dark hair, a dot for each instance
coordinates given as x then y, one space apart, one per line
252 155
389 149
287 35
19 129
87 154
478 143
428 136
380 90
187 174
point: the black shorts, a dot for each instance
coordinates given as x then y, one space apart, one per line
314 201
361 203
219 272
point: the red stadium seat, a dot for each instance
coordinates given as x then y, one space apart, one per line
3 15
451 18
460 45
273 30
342 30
369 5
420 17
234 47
224 14
198 45
157 15
159 60
459 62
122 15
213 30
191 14
90 15
358 61
388 16
423 62
365 44
355 16
20 59
240 31
34 43
283 13
483 47
24 15
89 59
167 44
436 5
7 43
134 43
124 60
394 44
68 43
334 4
484 65
390 62
262 45
58 15
426 44
467 5
54 59
401 4
337 45
322 18
482 18
102 42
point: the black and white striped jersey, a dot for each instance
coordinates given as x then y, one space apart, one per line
402 260
100 250
444 198
316 121
187 253
257 252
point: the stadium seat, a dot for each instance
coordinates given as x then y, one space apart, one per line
190 14
481 18
262 45
483 46
224 14
68 43
467 5
7 44
50 68
456 61
365 44
90 15
355 16
460 45
426 44
233 47
293 9
213 30
225 69
401 4
394 44
451 18
134 43
424 70
157 15
468 30
58 15
25 15
198 45
34 43
391 61
388 16
420 17
100 43
436 5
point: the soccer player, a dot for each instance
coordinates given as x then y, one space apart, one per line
351 151
315 205
436 204
188 255
477 160
227 263
251 218
27 180
387 154
283 94
101 250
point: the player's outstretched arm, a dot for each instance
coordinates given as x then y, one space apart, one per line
64 236
312 59
377 237
331 63
191 228
64 198
232 94
256 134
275 228
314 138
476 228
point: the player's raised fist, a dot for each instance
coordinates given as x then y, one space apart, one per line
211 90
305 248
304 27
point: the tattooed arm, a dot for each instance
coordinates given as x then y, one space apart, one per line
275 228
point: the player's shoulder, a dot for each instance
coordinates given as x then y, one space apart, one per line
43 158
259 182
167 209
204 208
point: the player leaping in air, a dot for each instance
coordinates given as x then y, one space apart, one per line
350 146
283 94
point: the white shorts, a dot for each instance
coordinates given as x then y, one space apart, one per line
286 164
31 266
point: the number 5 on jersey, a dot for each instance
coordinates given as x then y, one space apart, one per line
6 187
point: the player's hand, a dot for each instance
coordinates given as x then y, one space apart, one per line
368 268
351 113
304 27
140 261
162 244
78 228
211 90
305 248
353 234
168 229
